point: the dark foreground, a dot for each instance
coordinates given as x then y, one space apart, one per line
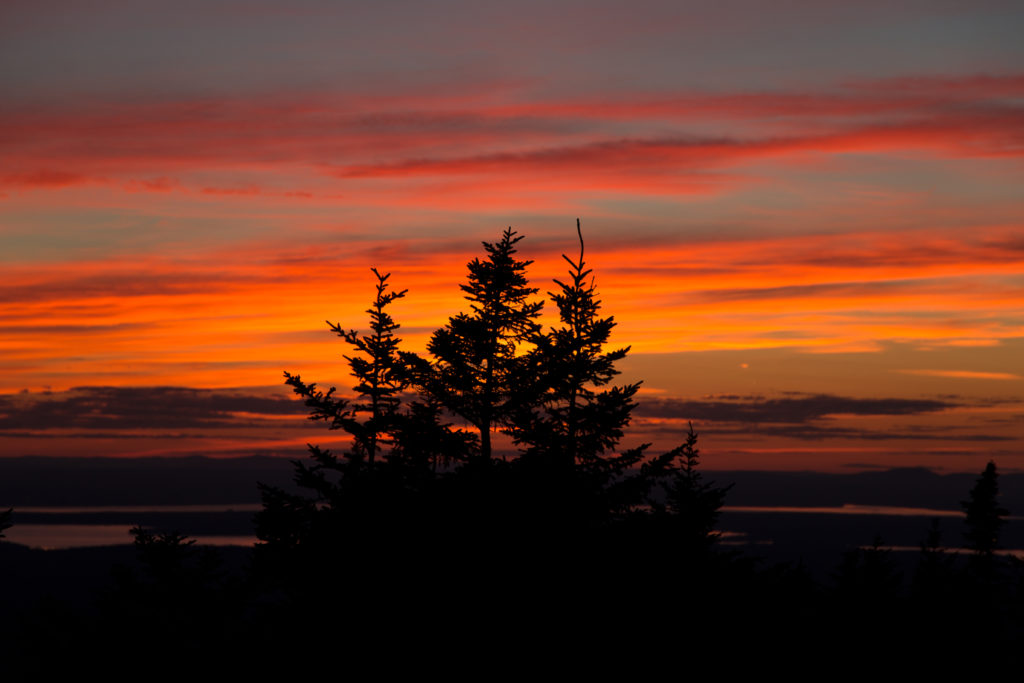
485 575
416 599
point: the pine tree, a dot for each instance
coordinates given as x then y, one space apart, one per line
934 573
578 421
381 376
695 503
477 373
984 515
343 487
379 373
570 426
496 368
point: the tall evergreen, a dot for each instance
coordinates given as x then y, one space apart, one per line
339 487
478 369
578 418
380 379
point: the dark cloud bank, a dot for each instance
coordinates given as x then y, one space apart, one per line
180 407
787 410
140 408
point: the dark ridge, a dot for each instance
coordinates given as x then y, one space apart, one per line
193 480
903 487
196 480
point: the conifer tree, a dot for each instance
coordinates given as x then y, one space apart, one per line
477 373
379 376
933 576
578 420
349 484
984 515
694 502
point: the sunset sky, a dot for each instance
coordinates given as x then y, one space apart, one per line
806 217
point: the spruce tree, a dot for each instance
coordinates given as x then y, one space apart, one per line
478 370
379 375
340 488
380 379
695 503
984 515
578 418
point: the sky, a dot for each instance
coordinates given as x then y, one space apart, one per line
807 218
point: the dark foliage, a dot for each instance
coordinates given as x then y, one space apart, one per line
477 372
416 490
692 503
575 417
415 535
571 426
933 578
5 520
984 515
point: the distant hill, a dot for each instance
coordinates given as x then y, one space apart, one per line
907 487
38 480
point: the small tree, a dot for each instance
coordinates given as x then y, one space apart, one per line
477 373
934 574
984 515
868 580
340 488
378 374
695 503
180 590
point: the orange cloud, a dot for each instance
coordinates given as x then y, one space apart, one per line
964 374
241 316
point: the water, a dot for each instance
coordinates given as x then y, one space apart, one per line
69 534
52 536
62 536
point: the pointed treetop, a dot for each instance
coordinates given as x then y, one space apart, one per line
984 515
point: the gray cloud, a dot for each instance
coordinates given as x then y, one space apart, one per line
114 408
789 409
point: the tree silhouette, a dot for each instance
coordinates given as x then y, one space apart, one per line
478 372
380 380
497 369
355 494
574 419
378 375
571 425
5 521
934 572
984 515
179 590
694 502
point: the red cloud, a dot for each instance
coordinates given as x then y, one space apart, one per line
42 179
581 139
